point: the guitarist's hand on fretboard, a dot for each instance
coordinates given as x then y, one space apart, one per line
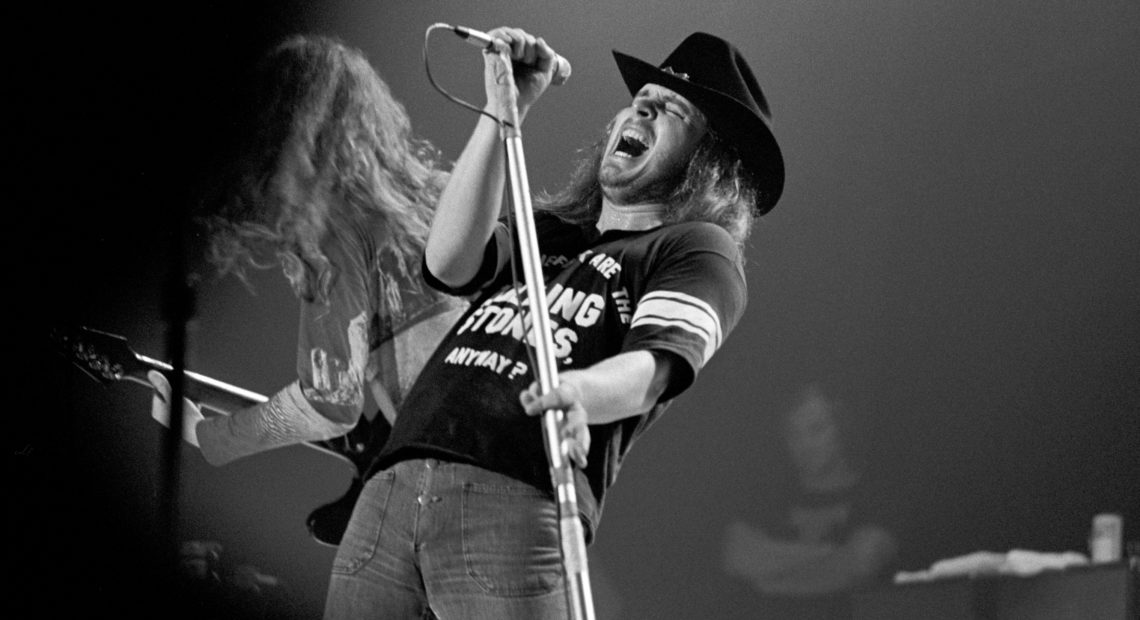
160 408
107 358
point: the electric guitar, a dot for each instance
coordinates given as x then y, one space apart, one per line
108 358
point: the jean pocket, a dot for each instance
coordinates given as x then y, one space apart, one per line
510 539
363 534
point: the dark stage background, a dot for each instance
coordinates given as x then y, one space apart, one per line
956 257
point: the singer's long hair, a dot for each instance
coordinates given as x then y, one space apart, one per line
714 187
327 151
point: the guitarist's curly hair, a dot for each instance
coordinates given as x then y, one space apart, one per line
325 149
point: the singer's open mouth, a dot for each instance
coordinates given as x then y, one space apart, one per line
631 144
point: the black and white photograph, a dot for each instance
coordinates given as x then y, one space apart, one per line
635 310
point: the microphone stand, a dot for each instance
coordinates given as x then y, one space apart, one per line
561 470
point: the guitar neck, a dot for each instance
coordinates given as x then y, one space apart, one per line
107 358
200 388
227 399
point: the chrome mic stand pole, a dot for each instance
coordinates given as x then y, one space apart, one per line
572 536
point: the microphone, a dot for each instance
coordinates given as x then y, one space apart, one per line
487 42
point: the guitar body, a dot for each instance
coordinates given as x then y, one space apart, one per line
108 358
327 522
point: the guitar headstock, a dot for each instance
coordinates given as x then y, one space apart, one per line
105 357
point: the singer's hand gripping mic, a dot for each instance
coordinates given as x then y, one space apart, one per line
487 42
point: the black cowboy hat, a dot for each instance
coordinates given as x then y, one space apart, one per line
711 73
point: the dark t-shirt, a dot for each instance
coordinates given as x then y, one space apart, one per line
677 290
831 517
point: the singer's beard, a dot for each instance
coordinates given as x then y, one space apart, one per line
636 190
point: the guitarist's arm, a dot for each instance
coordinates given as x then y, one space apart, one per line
344 346
286 418
334 341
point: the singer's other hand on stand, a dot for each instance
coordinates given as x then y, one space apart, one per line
573 428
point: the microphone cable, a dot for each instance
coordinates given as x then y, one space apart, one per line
512 226
427 69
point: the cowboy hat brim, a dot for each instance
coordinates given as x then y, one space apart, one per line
732 121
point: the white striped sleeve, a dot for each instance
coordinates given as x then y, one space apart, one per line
673 309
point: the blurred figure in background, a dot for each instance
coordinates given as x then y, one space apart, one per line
833 531
217 587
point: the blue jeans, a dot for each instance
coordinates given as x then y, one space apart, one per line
434 539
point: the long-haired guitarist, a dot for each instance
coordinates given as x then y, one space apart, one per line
330 183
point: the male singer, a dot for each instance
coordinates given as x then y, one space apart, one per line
642 259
